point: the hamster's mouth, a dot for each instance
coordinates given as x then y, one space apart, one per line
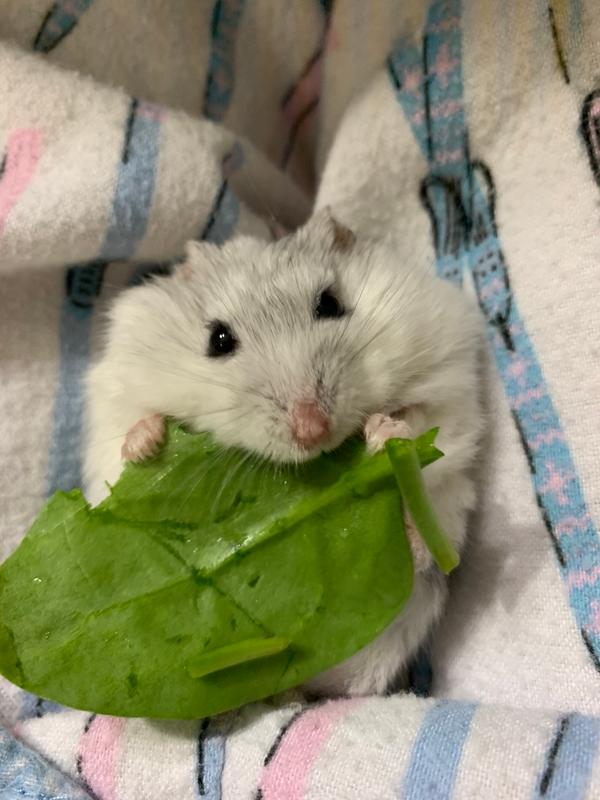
396 413
299 454
302 454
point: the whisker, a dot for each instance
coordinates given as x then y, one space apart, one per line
234 420
230 476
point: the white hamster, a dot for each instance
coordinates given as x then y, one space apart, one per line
286 349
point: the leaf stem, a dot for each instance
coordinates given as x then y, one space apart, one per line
404 459
233 654
361 482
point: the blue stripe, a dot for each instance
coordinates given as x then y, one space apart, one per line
64 463
223 217
437 751
33 707
569 766
460 197
221 69
211 760
58 23
225 211
135 185
131 206
25 775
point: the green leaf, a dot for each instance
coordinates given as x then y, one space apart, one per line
407 468
250 577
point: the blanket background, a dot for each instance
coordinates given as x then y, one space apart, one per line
467 132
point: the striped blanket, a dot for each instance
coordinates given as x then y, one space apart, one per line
468 132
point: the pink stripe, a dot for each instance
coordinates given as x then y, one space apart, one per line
593 625
518 367
492 288
446 109
571 524
516 328
150 111
583 577
439 111
286 776
444 25
449 156
332 40
412 80
526 397
53 27
556 483
99 751
305 92
23 152
554 435
232 161
71 8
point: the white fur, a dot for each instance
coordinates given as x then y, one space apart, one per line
409 341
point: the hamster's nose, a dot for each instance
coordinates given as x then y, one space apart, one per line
310 424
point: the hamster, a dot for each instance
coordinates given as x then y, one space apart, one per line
286 349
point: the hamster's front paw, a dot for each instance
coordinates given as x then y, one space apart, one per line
378 429
144 439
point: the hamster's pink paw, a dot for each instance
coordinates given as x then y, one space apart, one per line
379 428
144 439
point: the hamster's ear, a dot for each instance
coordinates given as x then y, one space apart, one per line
199 256
323 227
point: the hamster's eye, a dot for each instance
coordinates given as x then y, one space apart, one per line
328 306
222 342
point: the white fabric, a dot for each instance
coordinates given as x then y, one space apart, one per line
515 77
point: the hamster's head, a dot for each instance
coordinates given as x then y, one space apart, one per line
285 348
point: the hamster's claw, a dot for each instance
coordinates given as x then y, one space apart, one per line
144 439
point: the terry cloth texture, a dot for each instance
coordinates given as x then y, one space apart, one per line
466 131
